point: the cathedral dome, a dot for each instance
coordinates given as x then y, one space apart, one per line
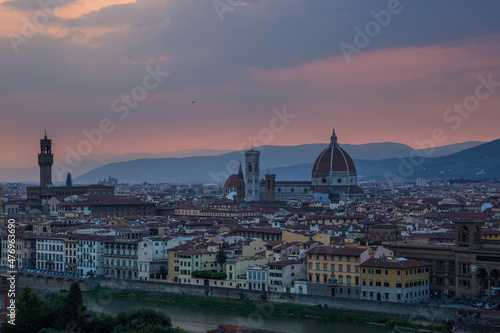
232 181
356 190
333 160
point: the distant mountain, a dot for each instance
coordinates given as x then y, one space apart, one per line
191 165
288 162
32 174
481 161
450 149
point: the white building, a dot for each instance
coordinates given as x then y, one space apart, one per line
153 253
50 253
90 254
257 278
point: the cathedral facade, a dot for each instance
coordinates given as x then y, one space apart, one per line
333 179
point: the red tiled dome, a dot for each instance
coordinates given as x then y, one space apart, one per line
232 181
333 159
356 190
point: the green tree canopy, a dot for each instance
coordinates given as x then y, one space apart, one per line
221 258
74 311
29 317
69 179
138 319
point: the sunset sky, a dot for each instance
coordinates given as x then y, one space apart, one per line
238 61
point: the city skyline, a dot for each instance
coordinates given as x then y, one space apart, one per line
224 80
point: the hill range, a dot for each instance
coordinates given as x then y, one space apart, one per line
374 161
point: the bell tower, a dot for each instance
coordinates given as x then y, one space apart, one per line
45 161
240 187
468 233
252 174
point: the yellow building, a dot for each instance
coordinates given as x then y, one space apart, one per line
289 237
173 264
395 280
235 269
185 210
195 260
335 271
490 234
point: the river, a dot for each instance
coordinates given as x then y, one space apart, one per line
199 319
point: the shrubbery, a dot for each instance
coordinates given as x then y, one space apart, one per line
211 274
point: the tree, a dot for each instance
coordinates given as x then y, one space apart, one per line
102 323
136 320
221 258
69 180
73 313
29 315
163 272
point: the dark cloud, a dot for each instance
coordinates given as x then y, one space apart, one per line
203 50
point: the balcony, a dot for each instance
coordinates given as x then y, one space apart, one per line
121 255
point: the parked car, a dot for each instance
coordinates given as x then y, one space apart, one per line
478 304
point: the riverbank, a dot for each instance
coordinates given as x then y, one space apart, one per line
263 308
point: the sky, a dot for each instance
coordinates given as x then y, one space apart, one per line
118 76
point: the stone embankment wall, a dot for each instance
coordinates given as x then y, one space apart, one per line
409 311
